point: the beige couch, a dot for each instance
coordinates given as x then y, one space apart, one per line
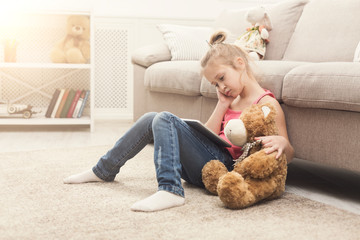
308 65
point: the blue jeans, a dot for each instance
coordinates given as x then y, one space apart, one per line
179 151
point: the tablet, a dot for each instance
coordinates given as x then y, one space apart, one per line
199 126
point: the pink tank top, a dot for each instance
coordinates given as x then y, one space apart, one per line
236 151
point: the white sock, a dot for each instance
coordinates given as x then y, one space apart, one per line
158 201
84 177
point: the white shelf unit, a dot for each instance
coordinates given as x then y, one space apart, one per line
33 78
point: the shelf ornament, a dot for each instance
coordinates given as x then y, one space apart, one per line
10 46
75 46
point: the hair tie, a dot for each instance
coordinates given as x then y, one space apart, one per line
210 45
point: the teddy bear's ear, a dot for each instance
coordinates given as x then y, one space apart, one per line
266 110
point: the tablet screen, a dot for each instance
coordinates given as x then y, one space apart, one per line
199 126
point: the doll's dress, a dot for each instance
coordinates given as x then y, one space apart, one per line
251 41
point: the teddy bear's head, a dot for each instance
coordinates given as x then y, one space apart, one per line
259 16
255 121
78 26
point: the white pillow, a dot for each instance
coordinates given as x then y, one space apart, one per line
186 42
357 53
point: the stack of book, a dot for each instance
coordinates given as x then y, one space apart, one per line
67 103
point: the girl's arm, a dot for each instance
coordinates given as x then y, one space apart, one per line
214 122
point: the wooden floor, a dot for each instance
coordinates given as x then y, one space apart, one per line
336 187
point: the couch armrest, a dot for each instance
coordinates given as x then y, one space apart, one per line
148 55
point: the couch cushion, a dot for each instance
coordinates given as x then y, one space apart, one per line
334 85
328 30
206 89
270 75
283 15
180 77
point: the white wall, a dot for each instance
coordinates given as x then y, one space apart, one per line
143 14
188 9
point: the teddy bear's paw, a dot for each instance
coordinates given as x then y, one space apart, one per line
234 192
258 165
277 193
57 56
74 55
280 186
211 173
85 50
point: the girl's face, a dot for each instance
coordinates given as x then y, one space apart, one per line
225 78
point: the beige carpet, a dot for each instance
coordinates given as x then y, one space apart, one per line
34 204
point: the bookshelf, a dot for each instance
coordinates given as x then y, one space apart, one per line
31 79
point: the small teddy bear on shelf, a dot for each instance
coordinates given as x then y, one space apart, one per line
257 175
255 38
75 46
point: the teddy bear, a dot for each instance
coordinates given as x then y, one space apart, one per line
256 175
255 38
75 46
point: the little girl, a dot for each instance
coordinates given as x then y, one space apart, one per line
180 151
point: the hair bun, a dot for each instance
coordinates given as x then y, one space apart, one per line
218 37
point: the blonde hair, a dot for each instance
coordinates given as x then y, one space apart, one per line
226 52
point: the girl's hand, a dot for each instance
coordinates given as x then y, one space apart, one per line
223 99
274 143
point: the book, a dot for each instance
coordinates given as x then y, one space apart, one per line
200 127
56 107
73 104
67 104
52 103
62 103
78 104
87 93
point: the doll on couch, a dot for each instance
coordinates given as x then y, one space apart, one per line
255 38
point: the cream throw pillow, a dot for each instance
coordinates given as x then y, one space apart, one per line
328 31
186 42
284 17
